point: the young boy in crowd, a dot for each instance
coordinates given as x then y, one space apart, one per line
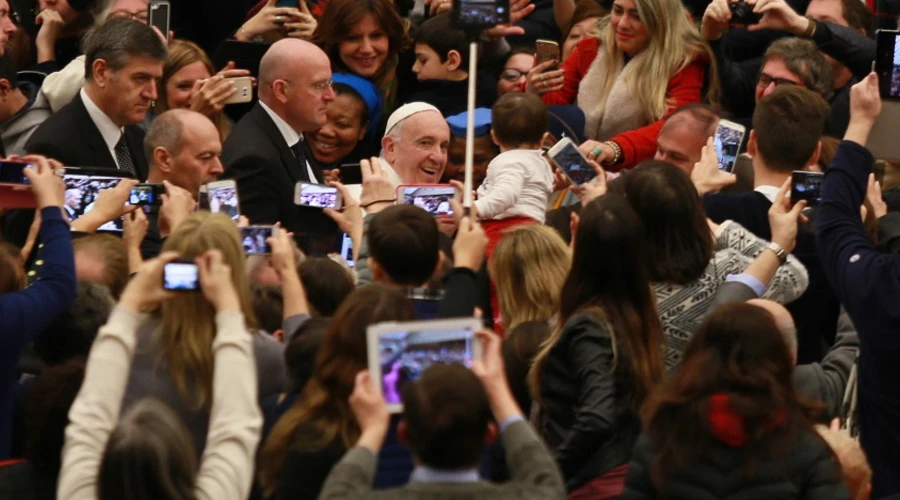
442 67
519 180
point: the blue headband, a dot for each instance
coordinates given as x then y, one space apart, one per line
369 94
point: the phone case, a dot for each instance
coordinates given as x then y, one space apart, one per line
244 87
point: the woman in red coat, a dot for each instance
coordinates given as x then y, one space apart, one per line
644 61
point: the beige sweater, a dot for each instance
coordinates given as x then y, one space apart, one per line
226 469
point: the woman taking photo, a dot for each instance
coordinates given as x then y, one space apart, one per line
728 424
312 436
604 357
369 39
689 258
644 61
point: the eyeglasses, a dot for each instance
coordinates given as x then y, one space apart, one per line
318 87
124 14
512 74
765 80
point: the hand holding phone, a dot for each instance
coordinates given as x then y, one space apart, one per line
727 141
13 172
181 276
158 16
317 196
146 195
255 239
571 162
480 14
546 51
806 186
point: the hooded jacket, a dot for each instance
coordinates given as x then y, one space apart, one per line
15 132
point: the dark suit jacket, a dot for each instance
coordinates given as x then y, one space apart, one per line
534 475
71 137
258 158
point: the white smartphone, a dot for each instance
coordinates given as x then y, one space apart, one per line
181 276
400 352
727 141
255 239
223 197
244 86
571 162
433 198
317 196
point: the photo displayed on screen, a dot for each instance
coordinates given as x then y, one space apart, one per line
405 355
434 200
142 195
225 200
13 172
254 240
313 195
347 250
178 276
727 142
895 75
482 12
574 165
807 187
81 193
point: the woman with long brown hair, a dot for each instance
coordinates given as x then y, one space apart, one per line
598 366
728 424
311 437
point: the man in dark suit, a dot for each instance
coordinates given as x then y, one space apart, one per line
265 153
446 422
123 60
787 126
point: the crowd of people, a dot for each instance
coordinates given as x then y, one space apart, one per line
658 328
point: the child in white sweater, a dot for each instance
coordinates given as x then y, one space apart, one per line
519 180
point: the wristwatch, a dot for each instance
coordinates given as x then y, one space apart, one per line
778 251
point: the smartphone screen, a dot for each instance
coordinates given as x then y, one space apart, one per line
146 195
159 16
433 199
573 163
12 172
203 198
887 63
481 13
806 186
350 174
254 239
727 142
347 250
223 198
81 193
316 196
181 277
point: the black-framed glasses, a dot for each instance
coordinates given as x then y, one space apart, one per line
765 80
512 74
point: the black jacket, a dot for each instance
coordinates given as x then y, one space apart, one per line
588 418
71 137
808 472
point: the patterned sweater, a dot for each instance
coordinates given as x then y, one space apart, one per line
682 308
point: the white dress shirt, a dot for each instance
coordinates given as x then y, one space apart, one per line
769 192
108 129
290 135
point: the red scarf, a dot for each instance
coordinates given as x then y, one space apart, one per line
727 426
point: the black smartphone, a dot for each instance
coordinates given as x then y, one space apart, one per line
255 239
287 4
806 186
158 16
742 13
13 172
887 63
146 195
480 14
350 174
181 276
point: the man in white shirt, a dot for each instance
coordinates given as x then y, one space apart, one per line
265 153
123 61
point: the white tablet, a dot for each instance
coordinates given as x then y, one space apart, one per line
400 352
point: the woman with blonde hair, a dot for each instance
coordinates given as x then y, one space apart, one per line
529 267
189 81
173 359
644 61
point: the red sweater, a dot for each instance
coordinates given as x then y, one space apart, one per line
638 145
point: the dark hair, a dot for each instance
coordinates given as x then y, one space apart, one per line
340 16
519 118
47 415
740 352
268 306
679 242
520 346
111 250
803 58
300 352
447 414
829 149
344 89
12 268
8 70
118 40
149 455
858 16
584 9
610 280
73 332
327 284
403 240
442 35
787 125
